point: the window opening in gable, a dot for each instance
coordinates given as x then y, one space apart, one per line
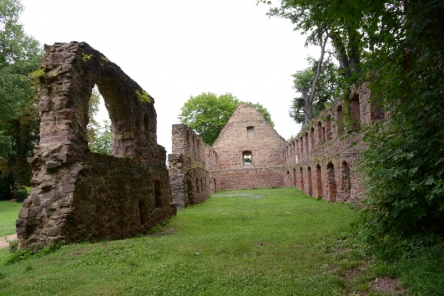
250 132
247 157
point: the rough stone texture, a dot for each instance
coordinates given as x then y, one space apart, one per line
191 161
248 132
321 160
78 195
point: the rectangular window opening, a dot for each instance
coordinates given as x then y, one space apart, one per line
247 157
250 132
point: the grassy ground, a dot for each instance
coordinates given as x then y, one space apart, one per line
8 215
273 242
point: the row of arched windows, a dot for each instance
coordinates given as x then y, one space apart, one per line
324 182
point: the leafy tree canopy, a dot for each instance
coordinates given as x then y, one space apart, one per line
396 46
208 113
19 59
326 91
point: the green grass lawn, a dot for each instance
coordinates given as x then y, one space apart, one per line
8 215
281 243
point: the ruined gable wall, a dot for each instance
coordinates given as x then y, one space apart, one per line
78 195
322 159
190 163
248 131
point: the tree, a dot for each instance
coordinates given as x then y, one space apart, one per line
208 113
314 97
19 58
396 46
103 141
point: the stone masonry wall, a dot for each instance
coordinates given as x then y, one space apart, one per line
78 195
322 159
190 163
250 154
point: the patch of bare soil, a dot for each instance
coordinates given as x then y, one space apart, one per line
388 286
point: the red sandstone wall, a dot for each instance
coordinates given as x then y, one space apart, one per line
78 195
248 131
322 159
191 180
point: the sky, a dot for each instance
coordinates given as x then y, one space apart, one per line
176 49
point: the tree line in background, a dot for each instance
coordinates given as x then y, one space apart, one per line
397 47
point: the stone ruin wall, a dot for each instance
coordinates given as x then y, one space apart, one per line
248 131
193 169
322 159
82 196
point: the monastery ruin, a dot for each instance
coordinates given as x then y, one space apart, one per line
249 154
78 195
82 196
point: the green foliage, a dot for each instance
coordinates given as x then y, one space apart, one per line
103 142
404 162
208 113
328 88
21 194
19 57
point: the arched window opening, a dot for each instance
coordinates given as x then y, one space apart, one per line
306 142
302 179
329 132
302 145
355 112
197 186
312 138
310 187
320 133
294 177
346 184
318 181
142 213
157 194
250 132
99 135
339 119
332 191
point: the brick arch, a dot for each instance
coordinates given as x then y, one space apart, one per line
331 182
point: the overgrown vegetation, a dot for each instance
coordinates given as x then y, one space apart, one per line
396 46
19 121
